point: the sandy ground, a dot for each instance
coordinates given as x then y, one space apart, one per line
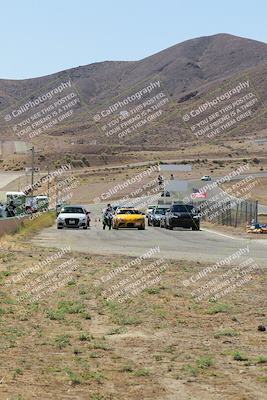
161 344
55 151
258 189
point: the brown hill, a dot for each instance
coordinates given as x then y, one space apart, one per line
189 71
183 67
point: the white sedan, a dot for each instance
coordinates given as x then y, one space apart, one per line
73 217
206 178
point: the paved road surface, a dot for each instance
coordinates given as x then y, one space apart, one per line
178 244
7 177
198 184
205 245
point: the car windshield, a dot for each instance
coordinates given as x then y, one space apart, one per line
72 210
160 211
182 208
129 212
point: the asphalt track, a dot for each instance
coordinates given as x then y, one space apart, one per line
7 177
204 246
179 244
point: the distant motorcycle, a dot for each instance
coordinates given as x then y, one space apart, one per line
107 220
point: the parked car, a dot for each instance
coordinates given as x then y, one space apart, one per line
73 217
181 215
129 218
156 215
206 178
42 203
35 204
150 209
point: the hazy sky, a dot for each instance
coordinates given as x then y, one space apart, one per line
42 37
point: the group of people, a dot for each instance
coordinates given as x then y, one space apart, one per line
161 179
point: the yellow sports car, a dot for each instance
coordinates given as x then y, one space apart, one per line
128 218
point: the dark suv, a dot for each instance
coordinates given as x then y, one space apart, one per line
181 215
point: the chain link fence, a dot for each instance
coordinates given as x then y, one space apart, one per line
234 212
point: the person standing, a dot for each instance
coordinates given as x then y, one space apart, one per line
160 180
107 216
11 209
2 210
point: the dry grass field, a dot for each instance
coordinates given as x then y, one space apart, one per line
161 344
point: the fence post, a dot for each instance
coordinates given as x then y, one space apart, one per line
236 214
256 211
230 213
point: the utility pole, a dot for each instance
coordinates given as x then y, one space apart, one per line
48 185
164 191
56 191
32 180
